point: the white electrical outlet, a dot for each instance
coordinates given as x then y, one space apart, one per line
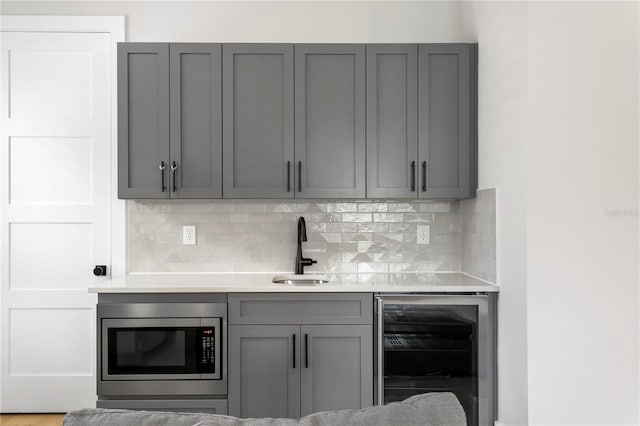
424 234
189 235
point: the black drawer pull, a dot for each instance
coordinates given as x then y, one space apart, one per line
306 350
174 166
294 350
413 176
162 167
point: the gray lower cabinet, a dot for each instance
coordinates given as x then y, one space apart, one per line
421 130
264 370
330 120
292 371
257 101
169 120
294 354
337 365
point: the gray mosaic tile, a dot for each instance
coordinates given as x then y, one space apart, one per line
373 227
356 217
342 207
259 236
387 257
372 207
387 217
403 207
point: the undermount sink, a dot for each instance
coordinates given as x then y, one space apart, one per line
297 279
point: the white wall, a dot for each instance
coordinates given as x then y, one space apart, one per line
266 21
558 137
582 217
501 31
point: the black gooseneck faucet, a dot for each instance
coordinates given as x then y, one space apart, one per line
301 261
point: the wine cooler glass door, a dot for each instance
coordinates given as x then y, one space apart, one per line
436 344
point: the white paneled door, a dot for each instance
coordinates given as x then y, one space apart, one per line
55 224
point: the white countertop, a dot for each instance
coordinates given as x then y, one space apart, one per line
449 282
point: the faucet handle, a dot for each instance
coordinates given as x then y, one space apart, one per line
307 261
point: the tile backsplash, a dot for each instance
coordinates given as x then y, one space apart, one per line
357 238
479 235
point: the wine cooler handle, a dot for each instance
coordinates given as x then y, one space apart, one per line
380 349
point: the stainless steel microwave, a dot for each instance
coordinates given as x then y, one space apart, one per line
154 349
161 349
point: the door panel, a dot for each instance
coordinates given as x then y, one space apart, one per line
143 120
258 114
27 359
196 120
330 121
55 204
31 96
34 159
58 249
392 114
447 128
262 379
338 367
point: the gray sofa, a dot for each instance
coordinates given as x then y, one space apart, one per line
432 409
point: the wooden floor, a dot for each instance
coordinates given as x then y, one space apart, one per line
31 419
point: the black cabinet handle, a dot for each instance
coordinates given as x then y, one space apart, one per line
288 176
299 176
413 176
174 166
306 350
162 167
424 176
294 350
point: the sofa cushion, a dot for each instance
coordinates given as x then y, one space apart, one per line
433 409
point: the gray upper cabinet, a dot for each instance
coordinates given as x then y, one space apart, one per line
297 121
196 121
421 128
169 120
392 120
143 120
447 120
330 121
258 120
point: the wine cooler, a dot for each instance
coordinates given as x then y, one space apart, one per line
438 343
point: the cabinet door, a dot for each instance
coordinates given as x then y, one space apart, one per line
143 120
337 367
264 370
258 120
447 127
392 120
330 121
196 121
